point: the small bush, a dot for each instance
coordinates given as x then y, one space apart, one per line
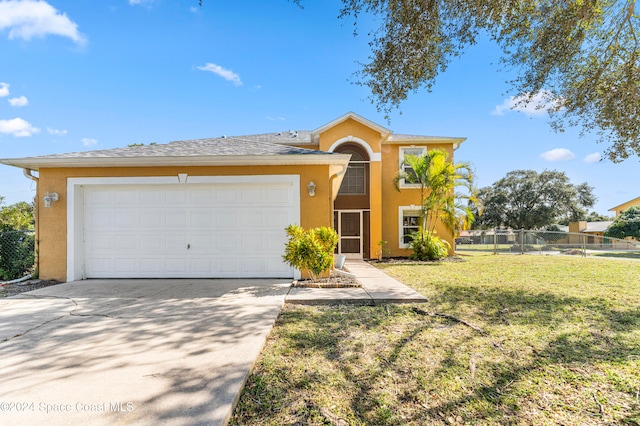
428 247
310 249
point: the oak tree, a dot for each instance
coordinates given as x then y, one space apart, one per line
581 56
526 199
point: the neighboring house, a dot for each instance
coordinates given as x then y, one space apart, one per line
592 229
624 206
218 207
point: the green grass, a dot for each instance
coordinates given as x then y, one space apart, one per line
561 345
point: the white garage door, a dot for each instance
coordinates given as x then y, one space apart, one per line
187 231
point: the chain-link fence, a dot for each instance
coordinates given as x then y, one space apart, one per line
550 242
17 254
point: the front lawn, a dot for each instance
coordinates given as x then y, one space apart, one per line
540 340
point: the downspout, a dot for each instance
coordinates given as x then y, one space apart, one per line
28 174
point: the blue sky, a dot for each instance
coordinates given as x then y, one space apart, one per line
78 75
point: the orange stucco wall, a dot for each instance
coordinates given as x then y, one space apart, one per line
358 131
315 211
393 199
52 222
384 199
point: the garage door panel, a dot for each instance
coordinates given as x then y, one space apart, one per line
175 219
226 196
200 196
126 197
126 266
150 196
251 219
199 231
201 266
124 243
101 242
227 265
98 265
151 266
152 243
127 218
175 196
99 220
150 218
225 219
278 196
176 265
201 218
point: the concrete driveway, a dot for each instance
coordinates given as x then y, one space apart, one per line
105 352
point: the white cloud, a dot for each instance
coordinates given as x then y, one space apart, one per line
592 158
222 72
533 106
558 154
275 118
89 142
17 127
56 131
28 18
19 101
4 89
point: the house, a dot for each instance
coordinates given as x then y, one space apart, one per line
624 206
218 207
594 231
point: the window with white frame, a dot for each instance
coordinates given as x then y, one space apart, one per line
409 221
409 150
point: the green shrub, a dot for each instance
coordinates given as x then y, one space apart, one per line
428 247
310 249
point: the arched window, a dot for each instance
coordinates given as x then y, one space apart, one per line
355 179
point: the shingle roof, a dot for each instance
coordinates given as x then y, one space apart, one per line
597 226
196 147
201 152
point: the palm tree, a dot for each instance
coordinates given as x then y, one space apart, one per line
437 178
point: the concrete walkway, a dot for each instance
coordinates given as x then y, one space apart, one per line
377 288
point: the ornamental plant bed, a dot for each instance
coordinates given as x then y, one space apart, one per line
335 280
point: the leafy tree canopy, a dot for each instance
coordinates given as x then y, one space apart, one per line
18 216
525 199
581 56
627 224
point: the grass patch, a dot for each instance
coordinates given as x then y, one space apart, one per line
561 346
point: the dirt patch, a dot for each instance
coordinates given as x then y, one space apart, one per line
7 290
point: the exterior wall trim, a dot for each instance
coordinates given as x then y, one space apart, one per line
373 156
75 205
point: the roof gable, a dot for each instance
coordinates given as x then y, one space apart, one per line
630 203
351 115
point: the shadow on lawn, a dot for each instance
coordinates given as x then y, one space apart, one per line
583 366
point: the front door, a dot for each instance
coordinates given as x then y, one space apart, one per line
349 226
